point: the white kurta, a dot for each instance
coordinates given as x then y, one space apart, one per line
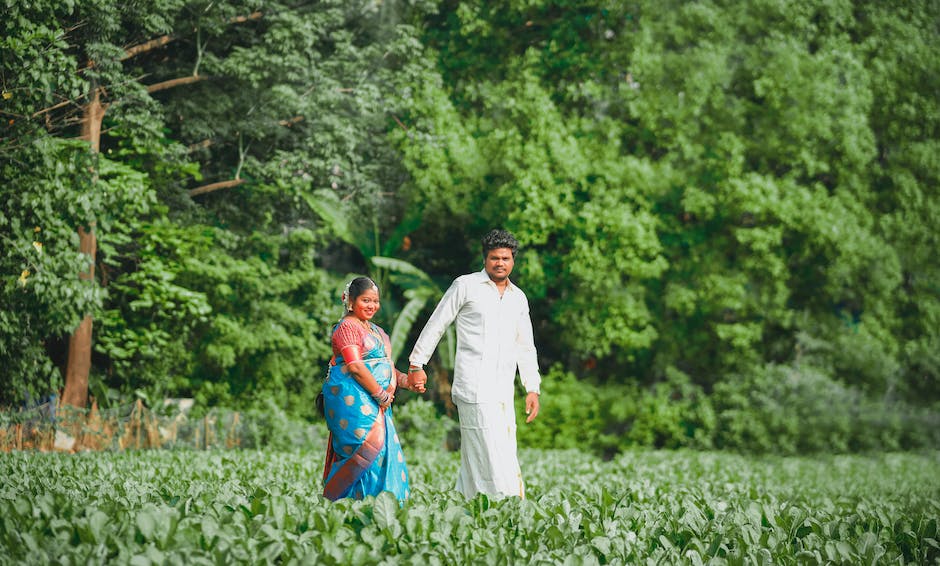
494 339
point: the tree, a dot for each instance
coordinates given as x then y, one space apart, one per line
705 186
233 116
705 189
52 99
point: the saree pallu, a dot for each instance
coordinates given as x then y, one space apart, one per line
364 455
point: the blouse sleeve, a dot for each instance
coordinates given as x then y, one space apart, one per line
346 334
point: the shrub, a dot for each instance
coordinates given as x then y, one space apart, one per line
571 413
799 409
269 426
611 417
421 426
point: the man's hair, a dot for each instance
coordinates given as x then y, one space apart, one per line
499 239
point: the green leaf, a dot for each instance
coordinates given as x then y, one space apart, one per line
146 523
337 217
404 322
385 513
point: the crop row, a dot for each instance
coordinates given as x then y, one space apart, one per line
642 507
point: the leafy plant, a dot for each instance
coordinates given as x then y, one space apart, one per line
643 506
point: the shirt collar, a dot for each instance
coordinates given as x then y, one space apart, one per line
485 278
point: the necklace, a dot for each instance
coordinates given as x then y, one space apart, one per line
371 329
379 340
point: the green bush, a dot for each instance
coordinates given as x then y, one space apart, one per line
799 409
774 410
421 426
674 413
267 425
612 417
571 413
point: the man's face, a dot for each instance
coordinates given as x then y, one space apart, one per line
498 264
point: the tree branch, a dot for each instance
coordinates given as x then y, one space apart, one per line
243 19
399 122
242 151
215 187
163 40
200 145
174 83
147 46
51 108
291 122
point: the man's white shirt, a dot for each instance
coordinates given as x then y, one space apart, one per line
494 337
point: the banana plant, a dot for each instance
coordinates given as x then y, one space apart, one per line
420 290
417 286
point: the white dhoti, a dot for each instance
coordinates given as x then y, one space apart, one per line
488 461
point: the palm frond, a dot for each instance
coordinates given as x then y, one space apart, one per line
334 214
402 267
406 319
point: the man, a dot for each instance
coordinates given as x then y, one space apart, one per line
494 337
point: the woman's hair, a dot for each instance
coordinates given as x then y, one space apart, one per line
356 287
499 239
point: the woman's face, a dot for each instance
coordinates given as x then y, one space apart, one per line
366 305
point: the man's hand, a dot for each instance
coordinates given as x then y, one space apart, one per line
531 406
417 379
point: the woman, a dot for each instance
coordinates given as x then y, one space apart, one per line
363 456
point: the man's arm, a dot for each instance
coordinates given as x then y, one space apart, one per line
442 317
528 363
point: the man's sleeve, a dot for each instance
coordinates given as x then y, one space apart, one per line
443 315
527 356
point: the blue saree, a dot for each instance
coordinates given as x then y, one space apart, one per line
364 455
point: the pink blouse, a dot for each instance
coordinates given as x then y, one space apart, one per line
351 339
350 333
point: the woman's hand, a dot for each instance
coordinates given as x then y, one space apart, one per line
417 379
408 381
384 397
364 377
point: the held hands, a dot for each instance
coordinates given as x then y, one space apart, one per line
417 379
531 406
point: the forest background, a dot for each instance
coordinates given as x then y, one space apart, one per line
728 211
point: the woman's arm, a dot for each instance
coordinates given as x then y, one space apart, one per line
348 340
364 377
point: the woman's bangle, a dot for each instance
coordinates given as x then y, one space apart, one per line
402 379
413 369
381 397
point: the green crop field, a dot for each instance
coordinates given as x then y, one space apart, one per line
220 507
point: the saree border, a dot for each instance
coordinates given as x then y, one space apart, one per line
360 461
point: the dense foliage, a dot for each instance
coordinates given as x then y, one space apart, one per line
225 294
643 507
729 207
713 186
770 410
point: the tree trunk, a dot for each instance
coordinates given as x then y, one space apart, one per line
79 359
